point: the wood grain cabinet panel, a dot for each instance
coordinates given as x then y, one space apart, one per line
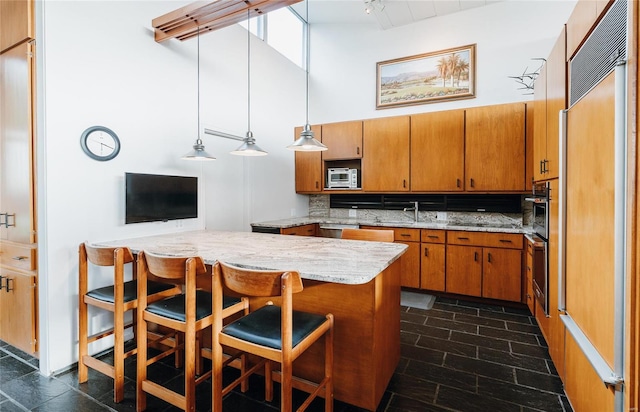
410 265
432 269
385 166
18 325
17 22
501 274
556 77
437 151
303 230
308 165
540 124
464 270
495 148
343 140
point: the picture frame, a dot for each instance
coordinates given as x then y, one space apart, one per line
442 75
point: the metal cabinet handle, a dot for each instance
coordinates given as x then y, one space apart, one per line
472 183
317 184
489 257
405 234
426 252
404 182
457 182
505 241
433 236
463 238
358 150
475 256
20 258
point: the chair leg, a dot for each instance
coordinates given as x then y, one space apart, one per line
83 350
190 371
268 381
118 361
286 386
328 368
141 396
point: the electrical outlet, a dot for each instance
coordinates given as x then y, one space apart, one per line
352 213
293 212
441 215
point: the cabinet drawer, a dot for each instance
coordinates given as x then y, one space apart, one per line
406 235
501 240
18 255
433 236
304 230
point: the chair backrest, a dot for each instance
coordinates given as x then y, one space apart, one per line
104 256
171 267
379 235
259 283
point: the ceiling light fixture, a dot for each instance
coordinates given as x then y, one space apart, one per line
373 5
198 152
307 142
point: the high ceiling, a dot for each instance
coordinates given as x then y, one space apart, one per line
395 13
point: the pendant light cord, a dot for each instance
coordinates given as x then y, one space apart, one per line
198 64
248 70
308 51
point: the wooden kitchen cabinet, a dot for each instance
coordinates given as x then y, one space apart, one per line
18 320
343 140
550 96
495 148
432 260
484 264
410 272
308 165
464 270
437 151
528 278
303 230
17 22
385 166
582 19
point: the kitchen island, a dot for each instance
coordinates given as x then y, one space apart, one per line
357 281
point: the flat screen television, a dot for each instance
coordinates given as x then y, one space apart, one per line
152 198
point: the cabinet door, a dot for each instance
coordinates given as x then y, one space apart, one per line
16 22
437 151
344 140
556 101
410 265
385 167
494 152
309 166
17 310
17 193
432 267
502 274
464 270
540 124
580 22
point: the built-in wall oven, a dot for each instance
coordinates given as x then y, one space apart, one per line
540 200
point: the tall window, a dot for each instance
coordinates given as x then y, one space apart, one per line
283 30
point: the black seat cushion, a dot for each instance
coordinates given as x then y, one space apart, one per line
130 291
174 306
263 326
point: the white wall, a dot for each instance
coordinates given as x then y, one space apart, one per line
99 65
508 35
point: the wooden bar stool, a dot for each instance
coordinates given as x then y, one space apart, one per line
188 313
118 298
276 334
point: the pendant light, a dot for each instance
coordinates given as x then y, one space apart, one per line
249 146
198 152
307 142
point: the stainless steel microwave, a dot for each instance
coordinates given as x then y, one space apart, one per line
342 178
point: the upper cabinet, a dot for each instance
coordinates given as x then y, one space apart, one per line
344 140
495 148
308 165
16 22
385 167
437 151
550 97
582 19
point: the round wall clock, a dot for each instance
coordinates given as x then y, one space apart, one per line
100 143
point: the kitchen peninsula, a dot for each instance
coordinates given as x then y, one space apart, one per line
357 281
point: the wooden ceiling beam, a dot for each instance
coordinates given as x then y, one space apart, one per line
183 23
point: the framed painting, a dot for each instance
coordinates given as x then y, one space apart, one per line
425 78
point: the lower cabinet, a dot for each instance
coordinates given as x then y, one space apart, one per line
410 260
487 265
18 326
432 260
304 230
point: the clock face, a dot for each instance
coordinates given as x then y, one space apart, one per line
100 143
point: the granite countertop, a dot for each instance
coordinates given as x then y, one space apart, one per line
323 259
473 227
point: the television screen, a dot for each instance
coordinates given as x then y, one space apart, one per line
151 198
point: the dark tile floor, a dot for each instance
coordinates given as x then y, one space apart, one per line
458 356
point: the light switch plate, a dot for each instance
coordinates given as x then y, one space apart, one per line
352 212
441 215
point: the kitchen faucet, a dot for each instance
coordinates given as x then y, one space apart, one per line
415 210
